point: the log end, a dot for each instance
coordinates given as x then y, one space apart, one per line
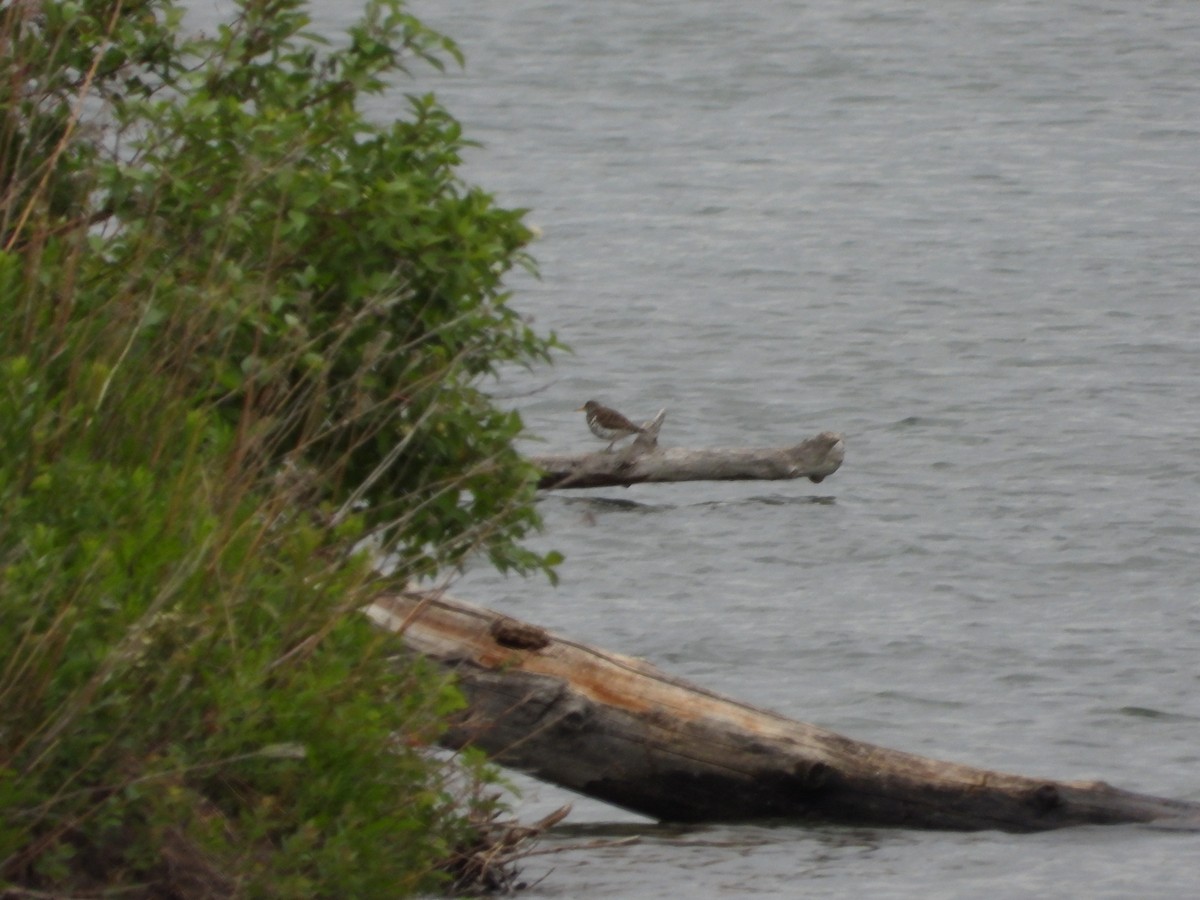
819 457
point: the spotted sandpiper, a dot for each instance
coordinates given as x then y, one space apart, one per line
608 424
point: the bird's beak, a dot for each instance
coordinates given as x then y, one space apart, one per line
579 410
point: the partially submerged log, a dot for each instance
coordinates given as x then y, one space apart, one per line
620 730
643 460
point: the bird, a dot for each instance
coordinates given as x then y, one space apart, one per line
608 424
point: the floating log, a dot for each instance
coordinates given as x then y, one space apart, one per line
643 460
622 731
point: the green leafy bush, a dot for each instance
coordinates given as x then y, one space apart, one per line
243 331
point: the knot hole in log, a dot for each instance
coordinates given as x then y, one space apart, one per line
1046 798
574 717
813 776
518 635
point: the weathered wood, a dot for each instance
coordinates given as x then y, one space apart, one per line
621 730
642 461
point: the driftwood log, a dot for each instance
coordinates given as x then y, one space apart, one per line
643 460
620 730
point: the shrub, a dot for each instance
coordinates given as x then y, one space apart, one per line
243 331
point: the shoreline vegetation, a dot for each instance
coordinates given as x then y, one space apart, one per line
245 330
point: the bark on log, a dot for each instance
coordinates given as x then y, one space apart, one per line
620 730
815 459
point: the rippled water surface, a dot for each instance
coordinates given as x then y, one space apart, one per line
964 234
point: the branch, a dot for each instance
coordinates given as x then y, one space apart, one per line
643 460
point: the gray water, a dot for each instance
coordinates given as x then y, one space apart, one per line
965 235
